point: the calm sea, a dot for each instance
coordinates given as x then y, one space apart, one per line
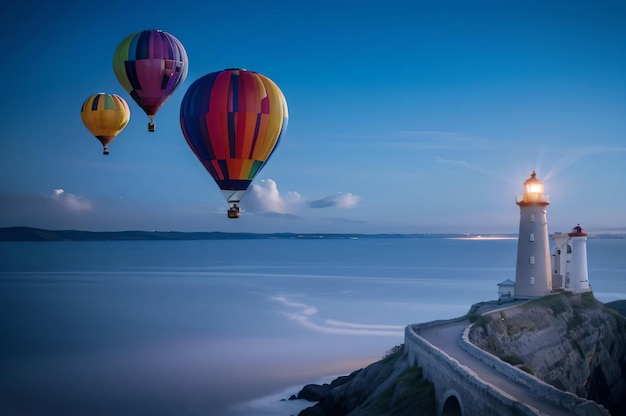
229 327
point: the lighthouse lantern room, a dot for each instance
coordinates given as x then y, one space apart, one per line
533 277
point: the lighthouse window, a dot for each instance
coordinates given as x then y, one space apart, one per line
532 259
532 217
531 237
532 280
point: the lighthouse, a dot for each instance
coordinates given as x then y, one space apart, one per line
569 261
533 277
577 275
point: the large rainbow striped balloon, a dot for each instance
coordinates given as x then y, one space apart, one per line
232 121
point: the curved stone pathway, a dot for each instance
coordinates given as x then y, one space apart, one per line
446 338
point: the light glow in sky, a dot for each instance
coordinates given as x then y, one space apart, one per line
405 116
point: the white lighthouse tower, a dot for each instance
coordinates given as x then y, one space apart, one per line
570 261
533 277
577 275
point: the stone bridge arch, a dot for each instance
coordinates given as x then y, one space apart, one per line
451 404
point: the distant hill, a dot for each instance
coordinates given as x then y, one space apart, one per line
618 306
38 234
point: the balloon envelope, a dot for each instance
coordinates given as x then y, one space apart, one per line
150 65
232 121
105 116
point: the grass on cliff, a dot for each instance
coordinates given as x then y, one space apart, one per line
516 361
411 394
558 303
553 302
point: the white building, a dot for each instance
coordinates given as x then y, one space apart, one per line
569 261
506 290
533 277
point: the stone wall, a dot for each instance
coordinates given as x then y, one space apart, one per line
476 397
577 405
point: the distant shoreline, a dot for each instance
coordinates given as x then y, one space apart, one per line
39 234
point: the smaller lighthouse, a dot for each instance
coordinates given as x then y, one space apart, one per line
533 278
570 261
577 274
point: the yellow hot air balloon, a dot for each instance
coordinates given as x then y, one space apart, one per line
105 116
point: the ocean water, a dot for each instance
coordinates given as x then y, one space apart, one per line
229 328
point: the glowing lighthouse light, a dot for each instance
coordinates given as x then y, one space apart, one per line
533 190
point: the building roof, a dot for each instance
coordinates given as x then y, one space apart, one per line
507 282
578 232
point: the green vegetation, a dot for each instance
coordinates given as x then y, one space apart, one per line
393 353
482 321
527 369
553 302
411 394
588 300
516 361
512 359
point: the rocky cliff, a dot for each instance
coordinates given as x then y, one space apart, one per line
389 387
571 341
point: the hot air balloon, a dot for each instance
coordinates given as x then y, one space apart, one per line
232 121
150 65
105 115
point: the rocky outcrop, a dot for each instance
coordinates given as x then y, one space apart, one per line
387 387
570 341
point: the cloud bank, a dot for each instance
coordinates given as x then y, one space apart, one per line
71 201
339 200
57 209
265 197
61 209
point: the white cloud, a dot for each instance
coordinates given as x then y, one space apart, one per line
71 201
340 200
264 196
54 210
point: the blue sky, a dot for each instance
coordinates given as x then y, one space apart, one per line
405 116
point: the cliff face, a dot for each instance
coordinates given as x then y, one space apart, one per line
570 341
389 387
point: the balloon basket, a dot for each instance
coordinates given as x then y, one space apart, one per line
233 212
105 151
151 126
